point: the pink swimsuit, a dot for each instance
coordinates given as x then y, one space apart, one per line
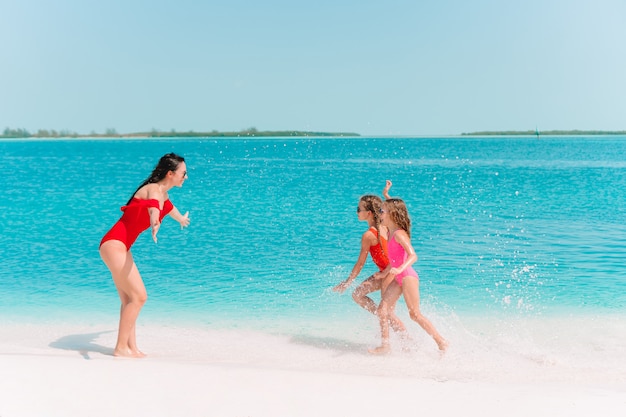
397 256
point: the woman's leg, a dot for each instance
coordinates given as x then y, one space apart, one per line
411 292
389 299
132 294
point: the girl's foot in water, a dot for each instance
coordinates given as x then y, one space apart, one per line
443 345
381 350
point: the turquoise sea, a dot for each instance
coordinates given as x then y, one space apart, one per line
512 233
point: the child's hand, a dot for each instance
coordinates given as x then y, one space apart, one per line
380 275
388 279
341 287
386 189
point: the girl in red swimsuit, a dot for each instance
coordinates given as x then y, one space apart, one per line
145 209
401 278
374 242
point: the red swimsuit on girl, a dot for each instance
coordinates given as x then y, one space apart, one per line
379 251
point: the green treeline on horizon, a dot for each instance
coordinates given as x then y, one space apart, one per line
112 133
253 132
546 133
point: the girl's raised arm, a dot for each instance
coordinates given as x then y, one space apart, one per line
386 189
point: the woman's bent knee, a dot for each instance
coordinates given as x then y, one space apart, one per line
140 298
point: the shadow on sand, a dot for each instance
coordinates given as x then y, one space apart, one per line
329 343
83 344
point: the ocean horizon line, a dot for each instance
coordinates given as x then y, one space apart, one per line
254 133
324 137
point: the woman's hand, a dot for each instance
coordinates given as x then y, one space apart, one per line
155 222
155 230
184 220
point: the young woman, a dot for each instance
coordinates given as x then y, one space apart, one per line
146 208
374 242
401 278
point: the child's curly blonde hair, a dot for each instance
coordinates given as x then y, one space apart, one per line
396 208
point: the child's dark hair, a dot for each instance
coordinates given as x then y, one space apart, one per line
399 214
168 162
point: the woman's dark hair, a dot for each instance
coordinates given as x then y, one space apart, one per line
168 162
373 203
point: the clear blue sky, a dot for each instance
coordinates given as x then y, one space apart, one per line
392 67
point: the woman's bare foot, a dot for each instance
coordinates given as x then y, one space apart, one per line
123 353
380 350
139 354
127 353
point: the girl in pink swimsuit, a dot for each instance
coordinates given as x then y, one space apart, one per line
374 242
402 278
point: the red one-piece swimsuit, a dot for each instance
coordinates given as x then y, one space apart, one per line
135 220
379 251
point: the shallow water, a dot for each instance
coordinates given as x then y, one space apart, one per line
510 232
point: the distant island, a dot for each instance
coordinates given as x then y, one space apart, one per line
9 133
112 133
546 133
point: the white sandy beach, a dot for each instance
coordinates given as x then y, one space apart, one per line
68 371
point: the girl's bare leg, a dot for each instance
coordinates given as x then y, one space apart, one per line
411 292
371 285
395 323
390 297
360 294
132 294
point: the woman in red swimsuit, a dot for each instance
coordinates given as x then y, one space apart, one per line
374 242
145 209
